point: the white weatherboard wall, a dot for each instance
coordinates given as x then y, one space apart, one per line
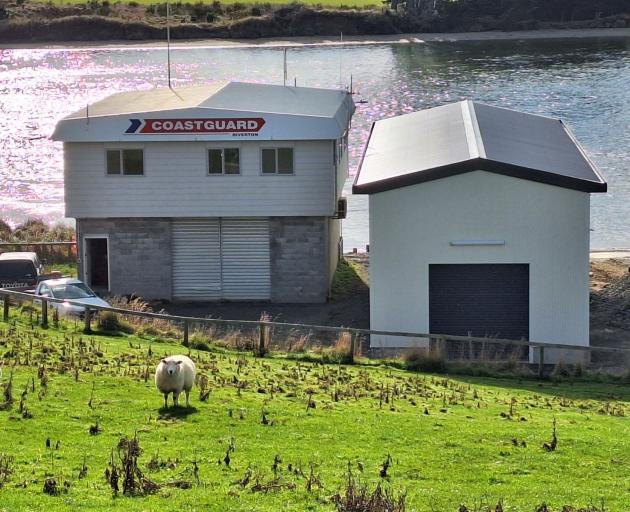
176 182
542 225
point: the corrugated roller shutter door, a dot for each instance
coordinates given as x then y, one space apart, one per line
196 259
480 299
246 259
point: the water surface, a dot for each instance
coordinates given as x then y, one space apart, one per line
584 82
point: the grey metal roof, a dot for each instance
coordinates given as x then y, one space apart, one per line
239 96
470 136
290 113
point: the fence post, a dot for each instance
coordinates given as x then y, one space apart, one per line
541 361
185 333
87 328
6 308
44 313
444 348
470 350
261 339
353 346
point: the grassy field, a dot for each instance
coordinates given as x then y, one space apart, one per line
292 430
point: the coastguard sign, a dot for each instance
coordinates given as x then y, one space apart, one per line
192 126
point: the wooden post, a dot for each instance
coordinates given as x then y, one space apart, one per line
261 339
87 328
541 361
185 333
441 344
44 313
6 308
470 350
353 345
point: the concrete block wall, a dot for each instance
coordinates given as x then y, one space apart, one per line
299 259
139 254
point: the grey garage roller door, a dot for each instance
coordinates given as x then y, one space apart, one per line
479 300
196 259
215 259
245 255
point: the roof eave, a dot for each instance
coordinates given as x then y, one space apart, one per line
478 164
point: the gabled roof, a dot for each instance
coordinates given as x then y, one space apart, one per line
308 113
469 136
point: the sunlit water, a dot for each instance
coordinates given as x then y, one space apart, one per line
584 82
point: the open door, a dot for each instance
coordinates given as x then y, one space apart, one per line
96 268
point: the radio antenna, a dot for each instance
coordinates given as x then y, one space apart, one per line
285 67
340 57
168 42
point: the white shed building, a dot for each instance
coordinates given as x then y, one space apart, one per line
222 192
479 225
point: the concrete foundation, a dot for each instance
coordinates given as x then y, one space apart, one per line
299 259
139 252
140 256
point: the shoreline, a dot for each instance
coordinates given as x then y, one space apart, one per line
305 41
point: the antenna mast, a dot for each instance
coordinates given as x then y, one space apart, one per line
285 67
340 58
168 41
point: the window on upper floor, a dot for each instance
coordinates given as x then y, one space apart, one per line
128 162
277 161
224 161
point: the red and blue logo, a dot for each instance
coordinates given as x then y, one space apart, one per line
184 126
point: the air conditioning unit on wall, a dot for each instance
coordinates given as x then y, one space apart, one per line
342 208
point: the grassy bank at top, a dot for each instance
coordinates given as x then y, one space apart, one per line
271 434
102 20
321 3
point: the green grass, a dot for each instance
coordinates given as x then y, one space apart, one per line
350 278
66 269
459 451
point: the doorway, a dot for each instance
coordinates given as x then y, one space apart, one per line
96 267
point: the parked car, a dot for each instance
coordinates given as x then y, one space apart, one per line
19 270
69 289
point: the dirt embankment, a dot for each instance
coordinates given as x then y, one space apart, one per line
610 303
25 22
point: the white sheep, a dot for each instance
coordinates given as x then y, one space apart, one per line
175 374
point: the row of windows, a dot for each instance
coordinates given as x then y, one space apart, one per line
130 162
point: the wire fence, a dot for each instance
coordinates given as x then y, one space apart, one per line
262 336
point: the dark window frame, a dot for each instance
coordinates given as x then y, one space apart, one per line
276 171
121 162
223 172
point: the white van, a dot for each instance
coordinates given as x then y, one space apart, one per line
19 269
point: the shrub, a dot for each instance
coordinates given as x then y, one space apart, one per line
419 360
358 498
201 345
111 322
5 229
342 351
30 230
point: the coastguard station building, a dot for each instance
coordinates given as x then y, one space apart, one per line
217 192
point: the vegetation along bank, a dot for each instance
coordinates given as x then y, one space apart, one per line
24 21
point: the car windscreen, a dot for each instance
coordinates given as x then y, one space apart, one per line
16 269
71 291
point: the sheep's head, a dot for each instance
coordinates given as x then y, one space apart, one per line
172 367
